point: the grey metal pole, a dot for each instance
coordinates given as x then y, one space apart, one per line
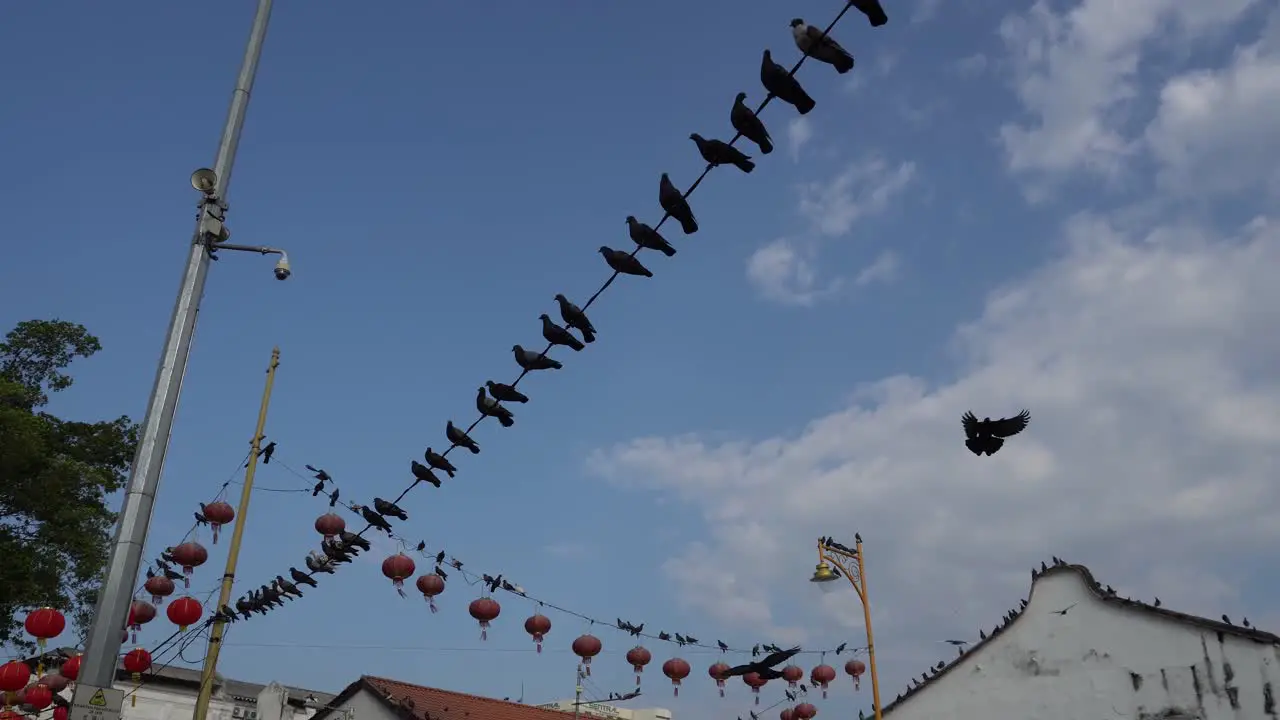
103 643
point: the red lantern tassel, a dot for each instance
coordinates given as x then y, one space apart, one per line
215 534
484 630
676 690
721 689
539 641
824 692
637 679
431 602
133 696
857 684
586 664
186 577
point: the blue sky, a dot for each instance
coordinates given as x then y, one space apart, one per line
435 190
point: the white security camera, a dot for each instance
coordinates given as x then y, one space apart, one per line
282 269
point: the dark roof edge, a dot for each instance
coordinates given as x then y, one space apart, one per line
347 693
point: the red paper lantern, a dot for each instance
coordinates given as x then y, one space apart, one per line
136 662
190 555
398 568
185 611
806 711
7 714
538 625
71 668
855 668
218 514
17 699
55 681
676 669
141 612
787 714
793 675
330 525
823 675
430 585
484 610
755 682
14 675
45 624
717 673
160 588
638 657
38 697
60 713
587 647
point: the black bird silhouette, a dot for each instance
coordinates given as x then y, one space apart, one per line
319 488
245 608
287 587
351 539
557 335
488 406
333 497
573 317
624 262
723 647
459 437
503 393
719 152
440 557
662 635
872 9
1226 619
676 205
530 361
821 47
783 86
301 577
744 120
987 435
840 648
1063 612
648 238
200 518
440 462
386 507
266 453
764 665
320 475
335 551
372 518
957 643
422 473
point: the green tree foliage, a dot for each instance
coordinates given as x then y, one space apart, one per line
55 477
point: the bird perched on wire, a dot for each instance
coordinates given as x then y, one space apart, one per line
746 122
719 152
501 392
987 435
646 237
386 507
459 437
782 85
573 317
624 263
557 335
488 406
676 205
873 10
301 577
821 47
530 361
440 462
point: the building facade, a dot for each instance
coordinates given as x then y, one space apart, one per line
1077 651
613 712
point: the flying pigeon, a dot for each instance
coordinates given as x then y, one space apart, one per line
557 335
573 317
820 47
423 473
502 393
783 86
624 262
530 361
675 205
873 10
320 474
745 122
440 462
986 435
385 507
646 237
719 152
459 437
764 665
488 406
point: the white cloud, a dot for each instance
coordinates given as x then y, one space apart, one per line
864 188
799 133
972 65
568 550
883 269
1147 359
784 271
1075 75
925 10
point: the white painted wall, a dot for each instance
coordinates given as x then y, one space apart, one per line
1100 661
156 701
612 712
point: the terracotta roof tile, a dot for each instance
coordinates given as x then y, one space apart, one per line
447 705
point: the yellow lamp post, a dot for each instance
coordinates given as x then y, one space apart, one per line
834 560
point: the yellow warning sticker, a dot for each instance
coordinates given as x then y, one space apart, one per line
99 699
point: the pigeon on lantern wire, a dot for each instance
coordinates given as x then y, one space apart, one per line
287 587
459 437
371 517
386 507
762 665
490 407
337 552
873 10
573 317
422 473
783 85
557 335
301 577
646 237
676 205
318 563
320 475
529 361
987 435
351 539
245 608
719 152
502 392
821 47
440 462
624 263
748 124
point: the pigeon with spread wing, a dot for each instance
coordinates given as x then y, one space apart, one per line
986 436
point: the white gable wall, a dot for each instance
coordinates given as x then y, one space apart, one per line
1101 660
